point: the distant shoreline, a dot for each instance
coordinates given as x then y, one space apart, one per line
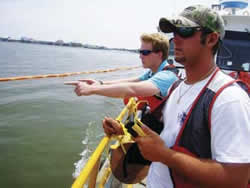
70 44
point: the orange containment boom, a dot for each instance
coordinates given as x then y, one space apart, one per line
63 74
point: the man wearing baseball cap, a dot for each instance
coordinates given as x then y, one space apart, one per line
206 136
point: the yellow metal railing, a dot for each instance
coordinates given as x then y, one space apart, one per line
90 171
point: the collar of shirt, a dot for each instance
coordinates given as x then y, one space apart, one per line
160 68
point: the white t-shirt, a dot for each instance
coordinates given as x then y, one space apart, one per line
230 127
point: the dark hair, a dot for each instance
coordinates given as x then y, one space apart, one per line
203 41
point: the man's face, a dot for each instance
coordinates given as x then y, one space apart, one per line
187 50
148 60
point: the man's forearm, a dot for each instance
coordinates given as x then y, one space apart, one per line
124 90
120 81
206 173
114 90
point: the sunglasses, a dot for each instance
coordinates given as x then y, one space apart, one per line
145 52
186 32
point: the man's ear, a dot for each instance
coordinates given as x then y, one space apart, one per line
160 54
212 39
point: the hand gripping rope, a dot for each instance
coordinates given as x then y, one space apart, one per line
131 127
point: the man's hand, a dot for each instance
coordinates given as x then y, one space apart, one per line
111 126
81 88
151 145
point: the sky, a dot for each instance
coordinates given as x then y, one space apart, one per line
110 23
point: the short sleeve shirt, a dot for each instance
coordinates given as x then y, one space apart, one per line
162 79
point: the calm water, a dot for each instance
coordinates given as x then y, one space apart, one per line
44 127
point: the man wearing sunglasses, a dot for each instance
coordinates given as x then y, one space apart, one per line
156 81
205 141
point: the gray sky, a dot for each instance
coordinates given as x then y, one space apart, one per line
112 23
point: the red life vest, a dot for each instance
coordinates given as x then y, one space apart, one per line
244 76
155 100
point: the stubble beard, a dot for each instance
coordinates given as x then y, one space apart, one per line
144 66
180 60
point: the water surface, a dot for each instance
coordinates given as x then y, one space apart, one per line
44 126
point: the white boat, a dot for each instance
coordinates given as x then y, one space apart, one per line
234 54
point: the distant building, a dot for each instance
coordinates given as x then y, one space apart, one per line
27 40
62 43
5 38
75 44
59 42
45 42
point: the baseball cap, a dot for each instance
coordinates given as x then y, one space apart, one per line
194 16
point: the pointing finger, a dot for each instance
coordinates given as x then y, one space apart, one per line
83 80
73 83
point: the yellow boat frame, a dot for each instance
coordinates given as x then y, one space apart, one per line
88 175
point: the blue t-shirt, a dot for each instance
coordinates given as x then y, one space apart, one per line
162 79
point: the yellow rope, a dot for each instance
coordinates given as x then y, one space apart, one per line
127 137
64 74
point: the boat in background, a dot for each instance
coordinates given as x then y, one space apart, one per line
234 54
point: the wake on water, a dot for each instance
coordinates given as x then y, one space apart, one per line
84 158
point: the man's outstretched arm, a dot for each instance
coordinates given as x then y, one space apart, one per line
108 82
122 90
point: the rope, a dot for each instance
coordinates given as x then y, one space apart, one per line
64 74
132 111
